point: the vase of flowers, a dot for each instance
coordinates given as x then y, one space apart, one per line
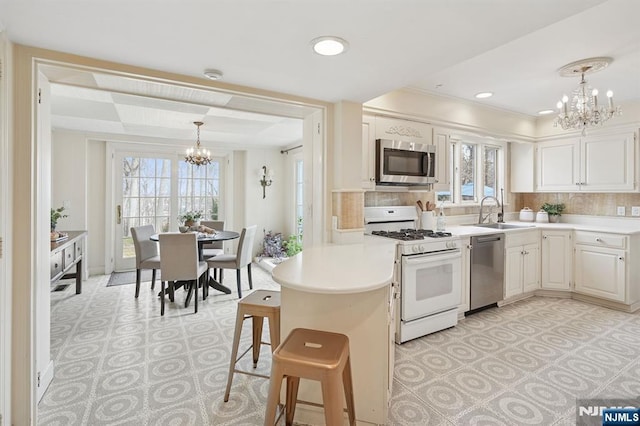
190 218
56 214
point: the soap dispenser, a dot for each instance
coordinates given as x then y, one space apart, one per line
441 221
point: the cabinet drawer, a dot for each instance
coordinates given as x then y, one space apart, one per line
69 255
56 264
514 239
78 249
601 239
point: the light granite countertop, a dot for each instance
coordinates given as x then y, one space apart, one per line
340 269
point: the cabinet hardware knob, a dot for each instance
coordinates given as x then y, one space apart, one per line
599 240
620 258
544 237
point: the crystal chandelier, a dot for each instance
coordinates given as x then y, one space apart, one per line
581 110
196 155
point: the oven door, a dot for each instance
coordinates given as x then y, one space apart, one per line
430 283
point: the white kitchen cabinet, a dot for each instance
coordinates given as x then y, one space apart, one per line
604 162
410 131
556 260
443 159
522 263
465 276
600 262
368 153
522 167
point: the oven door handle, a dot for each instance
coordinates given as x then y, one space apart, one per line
412 260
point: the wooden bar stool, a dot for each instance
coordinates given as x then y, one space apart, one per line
258 305
315 355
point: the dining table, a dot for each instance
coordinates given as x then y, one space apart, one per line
207 238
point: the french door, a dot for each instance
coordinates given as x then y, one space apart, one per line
143 197
152 189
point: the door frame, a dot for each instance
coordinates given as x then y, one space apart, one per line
26 149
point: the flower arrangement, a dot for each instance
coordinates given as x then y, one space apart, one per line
56 214
188 218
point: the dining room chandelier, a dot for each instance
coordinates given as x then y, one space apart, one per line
580 110
197 155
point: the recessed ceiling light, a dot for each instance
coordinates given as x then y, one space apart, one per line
212 74
329 45
545 112
483 95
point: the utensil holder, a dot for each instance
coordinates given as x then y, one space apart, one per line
428 220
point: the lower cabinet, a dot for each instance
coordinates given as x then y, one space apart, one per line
522 263
556 260
601 271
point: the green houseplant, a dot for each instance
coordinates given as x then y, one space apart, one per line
189 218
554 210
56 214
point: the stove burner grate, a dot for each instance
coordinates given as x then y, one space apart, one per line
412 234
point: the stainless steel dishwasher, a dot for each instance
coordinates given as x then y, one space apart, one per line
487 270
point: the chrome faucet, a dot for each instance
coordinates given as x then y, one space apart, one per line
481 219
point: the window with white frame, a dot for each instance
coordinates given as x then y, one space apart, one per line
477 170
299 191
199 188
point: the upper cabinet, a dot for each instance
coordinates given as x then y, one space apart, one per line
443 159
590 164
368 152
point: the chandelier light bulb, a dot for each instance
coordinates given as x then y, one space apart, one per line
565 99
559 105
595 92
609 94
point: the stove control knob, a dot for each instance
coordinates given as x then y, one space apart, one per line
451 244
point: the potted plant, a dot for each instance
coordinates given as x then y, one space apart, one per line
190 217
56 214
554 211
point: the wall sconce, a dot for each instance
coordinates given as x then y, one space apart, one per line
266 179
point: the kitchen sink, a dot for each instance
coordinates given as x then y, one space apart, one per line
500 225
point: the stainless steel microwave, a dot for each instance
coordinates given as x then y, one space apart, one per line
404 163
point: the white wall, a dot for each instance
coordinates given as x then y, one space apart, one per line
96 205
69 179
269 214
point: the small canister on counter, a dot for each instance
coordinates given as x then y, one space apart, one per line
542 217
526 215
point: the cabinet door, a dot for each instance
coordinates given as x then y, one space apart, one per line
368 153
559 165
513 272
531 267
600 272
557 262
443 160
410 131
607 163
522 168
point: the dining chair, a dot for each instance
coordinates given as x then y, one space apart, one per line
179 262
240 259
216 248
146 253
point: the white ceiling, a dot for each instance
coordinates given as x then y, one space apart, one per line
455 48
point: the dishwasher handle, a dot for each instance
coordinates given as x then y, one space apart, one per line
487 239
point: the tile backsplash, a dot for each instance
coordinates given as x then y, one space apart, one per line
600 204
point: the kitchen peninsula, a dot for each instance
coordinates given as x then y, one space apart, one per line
346 289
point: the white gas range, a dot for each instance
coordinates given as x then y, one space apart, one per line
430 265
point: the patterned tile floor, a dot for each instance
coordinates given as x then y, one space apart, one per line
118 362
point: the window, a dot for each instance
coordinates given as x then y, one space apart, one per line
199 189
299 183
477 171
